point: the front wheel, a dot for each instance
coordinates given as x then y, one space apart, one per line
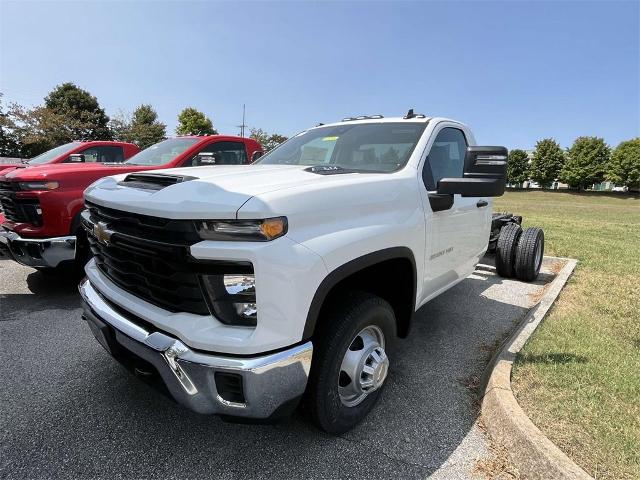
350 362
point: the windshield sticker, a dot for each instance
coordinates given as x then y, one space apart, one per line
330 139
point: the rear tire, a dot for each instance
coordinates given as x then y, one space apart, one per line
349 361
529 254
506 249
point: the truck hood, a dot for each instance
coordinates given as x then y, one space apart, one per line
7 167
59 171
215 192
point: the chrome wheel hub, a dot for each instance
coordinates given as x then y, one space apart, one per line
364 367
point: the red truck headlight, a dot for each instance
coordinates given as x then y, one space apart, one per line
38 185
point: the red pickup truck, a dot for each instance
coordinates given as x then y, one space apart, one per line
42 204
94 151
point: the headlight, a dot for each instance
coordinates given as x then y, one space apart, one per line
38 185
232 298
243 230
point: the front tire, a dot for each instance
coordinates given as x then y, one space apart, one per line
350 362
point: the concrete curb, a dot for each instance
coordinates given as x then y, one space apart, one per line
535 456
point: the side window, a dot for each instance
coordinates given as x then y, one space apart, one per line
446 157
90 155
110 154
224 153
104 154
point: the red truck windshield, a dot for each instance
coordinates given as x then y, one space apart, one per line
162 152
49 155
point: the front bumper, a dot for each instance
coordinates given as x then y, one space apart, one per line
38 252
271 384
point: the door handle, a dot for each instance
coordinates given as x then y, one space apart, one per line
482 203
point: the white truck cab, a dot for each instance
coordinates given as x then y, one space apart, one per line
243 288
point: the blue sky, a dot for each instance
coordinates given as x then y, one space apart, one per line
515 72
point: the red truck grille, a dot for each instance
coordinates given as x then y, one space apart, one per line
19 210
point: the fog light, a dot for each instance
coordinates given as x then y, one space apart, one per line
240 284
231 298
246 310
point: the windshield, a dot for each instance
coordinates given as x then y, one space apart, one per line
49 155
364 147
162 152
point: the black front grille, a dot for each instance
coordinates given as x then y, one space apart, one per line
6 186
149 257
19 210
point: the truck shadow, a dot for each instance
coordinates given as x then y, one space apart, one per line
43 292
426 419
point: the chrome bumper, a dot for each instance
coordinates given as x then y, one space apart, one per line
38 252
270 384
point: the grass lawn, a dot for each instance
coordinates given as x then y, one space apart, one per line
578 378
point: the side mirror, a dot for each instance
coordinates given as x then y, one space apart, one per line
256 156
485 173
76 158
206 158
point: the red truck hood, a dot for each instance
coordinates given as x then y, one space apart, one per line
7 167
60 171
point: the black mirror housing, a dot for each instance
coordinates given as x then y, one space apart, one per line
485 174
76 158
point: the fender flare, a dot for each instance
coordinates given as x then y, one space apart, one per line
348 269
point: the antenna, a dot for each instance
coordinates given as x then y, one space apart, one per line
411 115
242 127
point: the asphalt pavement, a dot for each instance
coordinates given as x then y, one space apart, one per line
69 411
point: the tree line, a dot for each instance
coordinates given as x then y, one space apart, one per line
588 161
71 113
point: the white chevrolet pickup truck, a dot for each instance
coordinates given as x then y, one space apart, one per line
244 289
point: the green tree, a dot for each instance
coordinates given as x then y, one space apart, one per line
586 163
38 129
268 142
194 122
120 124
518 166
9 141
547 162
81 115
624 166
141 128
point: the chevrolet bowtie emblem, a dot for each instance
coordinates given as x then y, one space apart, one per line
102 233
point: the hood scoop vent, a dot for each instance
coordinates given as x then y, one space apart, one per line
153 181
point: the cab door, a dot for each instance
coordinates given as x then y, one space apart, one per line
456 226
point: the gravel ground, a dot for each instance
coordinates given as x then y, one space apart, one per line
69 410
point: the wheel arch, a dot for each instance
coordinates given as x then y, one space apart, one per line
76 222
361 273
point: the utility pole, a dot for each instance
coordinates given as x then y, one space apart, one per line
242 127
